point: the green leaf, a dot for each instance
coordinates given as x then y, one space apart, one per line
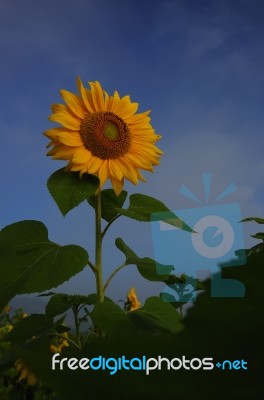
69 190
148 269
156 315
59 303
141 207
110 203
93 299
184 280
259 235
110 318
258 220
26 328
146 208
30 262
146 266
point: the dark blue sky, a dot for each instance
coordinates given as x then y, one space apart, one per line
198 65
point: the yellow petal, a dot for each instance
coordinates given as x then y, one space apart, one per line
52 133
115 168
69 139
124 108
24 373
130 173
103 172
140 176
64 136
83 171
64 116
147 154
108 102
120 168
82 156
113 100
117 185
116 95
61 152
140 118
74 167
75 103
31 379
86 96
97 95
95 165
138 161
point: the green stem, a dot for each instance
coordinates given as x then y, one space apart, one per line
109 224
91 266
113 274
98 249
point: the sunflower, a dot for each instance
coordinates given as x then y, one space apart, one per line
6 309
132 301
103 135
59 343
25 373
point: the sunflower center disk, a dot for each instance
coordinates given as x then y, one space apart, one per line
105 135
111 131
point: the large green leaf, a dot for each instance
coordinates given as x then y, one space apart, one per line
156 315
146 208
69 190
146 266
110 203
141 207
30 262
58 304
110 318
26 328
